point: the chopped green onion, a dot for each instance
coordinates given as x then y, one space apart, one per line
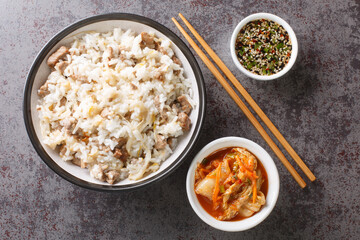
252 64
257 45
280 45
271 66
241 51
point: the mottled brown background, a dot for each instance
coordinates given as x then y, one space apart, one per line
316 106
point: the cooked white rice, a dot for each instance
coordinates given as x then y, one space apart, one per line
109 90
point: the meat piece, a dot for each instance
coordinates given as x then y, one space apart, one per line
185 105
159 76
121 153
176 60
127 115
62 149
63 101
177 72
160 142
147 41
133 86
97 171
44 90
79 162
157 46
76 161
56 56
185 121
61 66
121 141
111 176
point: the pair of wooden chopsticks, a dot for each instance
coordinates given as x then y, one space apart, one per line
242 105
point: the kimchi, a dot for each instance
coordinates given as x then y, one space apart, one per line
231 184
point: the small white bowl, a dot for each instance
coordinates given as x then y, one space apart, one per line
278 20
273 187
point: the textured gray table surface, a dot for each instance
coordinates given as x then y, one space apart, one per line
316 106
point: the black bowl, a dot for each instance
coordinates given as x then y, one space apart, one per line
102 23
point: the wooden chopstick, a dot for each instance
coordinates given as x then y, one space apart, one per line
250 100
242 106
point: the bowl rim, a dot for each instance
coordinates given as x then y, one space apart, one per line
65 32
278 20
270 168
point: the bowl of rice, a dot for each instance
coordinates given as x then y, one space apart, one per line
114 102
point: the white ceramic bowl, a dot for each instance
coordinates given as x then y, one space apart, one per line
273 188
278 20
103 23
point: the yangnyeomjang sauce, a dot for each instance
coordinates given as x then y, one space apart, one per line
263 47
231 184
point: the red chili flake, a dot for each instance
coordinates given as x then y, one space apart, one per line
267 69
273 51
288 54
281 35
